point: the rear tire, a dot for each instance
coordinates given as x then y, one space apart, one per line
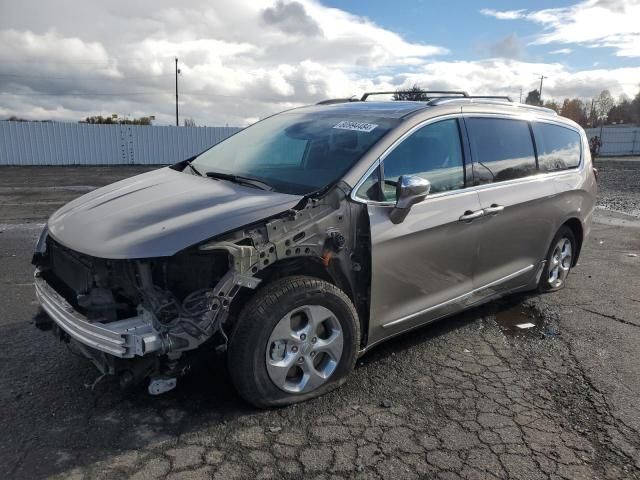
296 339
559 261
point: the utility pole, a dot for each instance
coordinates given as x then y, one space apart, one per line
177 72
542 77
520 94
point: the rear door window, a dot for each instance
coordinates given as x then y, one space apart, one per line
558 147
502 149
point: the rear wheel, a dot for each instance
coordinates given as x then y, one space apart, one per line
559 261
295 339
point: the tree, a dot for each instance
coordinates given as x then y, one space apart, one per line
14 118
413 94
533 98
621 112
575 110
189 122
99 119
634 110
553 105
604 104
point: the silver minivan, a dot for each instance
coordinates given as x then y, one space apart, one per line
299 243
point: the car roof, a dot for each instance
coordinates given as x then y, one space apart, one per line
376 109
404 109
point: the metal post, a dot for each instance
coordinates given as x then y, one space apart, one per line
177 71
542 77
601 142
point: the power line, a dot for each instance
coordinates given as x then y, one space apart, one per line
103 64
79 94
117 94
82 76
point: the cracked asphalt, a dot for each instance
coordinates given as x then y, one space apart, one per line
471 397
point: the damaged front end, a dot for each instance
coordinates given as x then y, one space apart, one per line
145 318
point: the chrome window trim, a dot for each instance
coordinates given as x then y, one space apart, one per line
390 149
568 127
508 116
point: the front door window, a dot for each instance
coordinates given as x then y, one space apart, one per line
432 152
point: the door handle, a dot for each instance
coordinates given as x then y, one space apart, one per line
494 209
468 216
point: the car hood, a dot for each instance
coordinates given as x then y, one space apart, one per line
159 213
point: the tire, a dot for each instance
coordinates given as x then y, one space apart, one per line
259 354
558 259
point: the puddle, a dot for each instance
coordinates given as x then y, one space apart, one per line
521 321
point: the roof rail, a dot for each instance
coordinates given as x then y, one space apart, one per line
456 93
537 108
331 101
438 100
491 99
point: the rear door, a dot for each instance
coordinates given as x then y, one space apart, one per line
520 214
420 266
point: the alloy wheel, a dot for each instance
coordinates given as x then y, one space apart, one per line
304 349
560 262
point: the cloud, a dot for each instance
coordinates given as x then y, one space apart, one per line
503 15
118 57
592 23
239 60
507 47
506 77
561 51
291 18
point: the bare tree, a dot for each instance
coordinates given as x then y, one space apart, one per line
99 119
189 122
604 104
412 94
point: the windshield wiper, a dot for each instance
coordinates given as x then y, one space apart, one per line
253 182
193 169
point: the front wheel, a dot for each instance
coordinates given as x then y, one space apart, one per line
559 261
296 339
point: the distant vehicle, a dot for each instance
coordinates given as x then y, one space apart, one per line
304 240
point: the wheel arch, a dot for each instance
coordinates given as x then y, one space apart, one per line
577 228
308 266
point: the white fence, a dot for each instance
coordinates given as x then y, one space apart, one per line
617 139
51 143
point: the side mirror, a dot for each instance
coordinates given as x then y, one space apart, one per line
410 189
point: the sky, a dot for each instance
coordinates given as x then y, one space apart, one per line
242 60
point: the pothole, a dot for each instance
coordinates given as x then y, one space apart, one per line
522 321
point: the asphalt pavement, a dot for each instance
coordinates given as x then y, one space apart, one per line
472 396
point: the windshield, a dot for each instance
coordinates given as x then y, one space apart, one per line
296 152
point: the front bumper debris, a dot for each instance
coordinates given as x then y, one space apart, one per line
126 338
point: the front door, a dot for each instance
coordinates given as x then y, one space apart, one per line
421 266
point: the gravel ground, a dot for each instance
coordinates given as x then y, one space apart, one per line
619 183
469 397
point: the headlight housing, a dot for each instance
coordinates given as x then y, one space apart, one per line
41 243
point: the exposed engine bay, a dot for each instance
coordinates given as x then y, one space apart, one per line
145 318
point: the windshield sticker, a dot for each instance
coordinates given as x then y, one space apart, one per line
357 126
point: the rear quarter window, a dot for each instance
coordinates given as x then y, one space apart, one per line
558 147
502 149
